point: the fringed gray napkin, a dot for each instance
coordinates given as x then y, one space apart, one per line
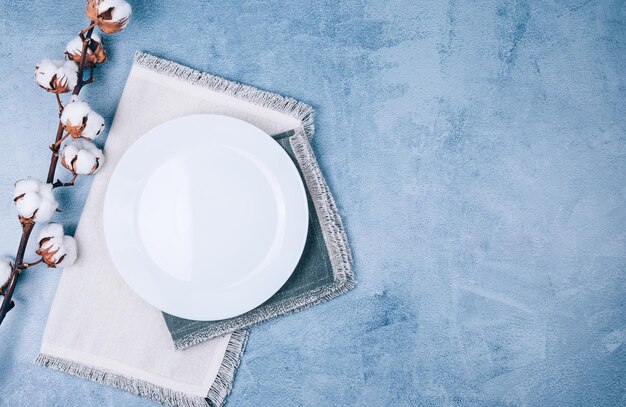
324 271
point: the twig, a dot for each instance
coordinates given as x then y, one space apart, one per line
55 147
87 30
9 288
27 265
19 258
60 183
59 103
83 59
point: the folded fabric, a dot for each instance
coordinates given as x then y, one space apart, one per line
99 329
324 271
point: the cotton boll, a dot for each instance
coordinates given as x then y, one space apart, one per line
82 157
75 112
121 12
69 71
45 71
95 52
80 121
55 248
51 244
74 117
111 15
94 126
75 46
56 76
5 269
50 239
34 200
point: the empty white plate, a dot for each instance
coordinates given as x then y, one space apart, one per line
205 217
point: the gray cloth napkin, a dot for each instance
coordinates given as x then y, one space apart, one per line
314 279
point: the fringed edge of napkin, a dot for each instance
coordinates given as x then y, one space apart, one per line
269 100
222 385
336 243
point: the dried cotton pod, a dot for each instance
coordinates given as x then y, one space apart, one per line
56 76
74 117
34 201
110 15
95 51
55 248
80 121
82 157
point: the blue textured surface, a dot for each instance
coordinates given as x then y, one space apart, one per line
477 152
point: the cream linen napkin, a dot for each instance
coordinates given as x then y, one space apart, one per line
98 328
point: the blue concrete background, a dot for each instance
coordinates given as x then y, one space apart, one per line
477 152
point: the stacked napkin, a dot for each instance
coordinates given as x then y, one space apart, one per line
100 330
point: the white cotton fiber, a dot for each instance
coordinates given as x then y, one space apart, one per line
5 269
45 71
71 251
34 199
82 157
74 113
56 248
94 126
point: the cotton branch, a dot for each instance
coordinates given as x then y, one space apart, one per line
7 303
80 156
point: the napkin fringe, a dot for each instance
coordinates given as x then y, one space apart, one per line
138 387
216 397
309 299
223 383
332 226
291 107
336 241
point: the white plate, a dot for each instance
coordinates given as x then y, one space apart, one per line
205 217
